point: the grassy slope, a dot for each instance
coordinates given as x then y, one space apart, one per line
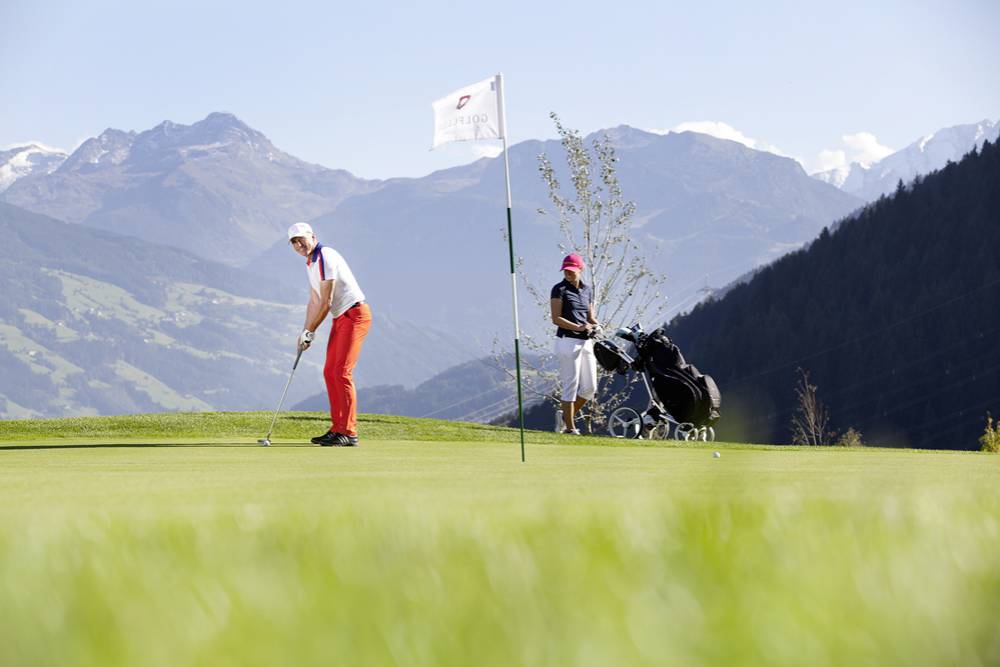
433 544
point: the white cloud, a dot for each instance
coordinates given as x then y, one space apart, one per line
861 147
830 159
866 147
716 129
723 130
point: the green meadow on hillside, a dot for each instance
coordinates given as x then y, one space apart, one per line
175 540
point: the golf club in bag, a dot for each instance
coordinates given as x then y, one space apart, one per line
266 440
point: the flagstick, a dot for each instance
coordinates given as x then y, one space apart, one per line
501 110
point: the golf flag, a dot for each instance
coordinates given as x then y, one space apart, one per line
468 114
478 112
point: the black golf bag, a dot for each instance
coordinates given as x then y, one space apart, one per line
687 394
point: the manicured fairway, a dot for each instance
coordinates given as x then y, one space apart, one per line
433 544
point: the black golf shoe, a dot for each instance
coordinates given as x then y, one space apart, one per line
328 439
331 439
342 440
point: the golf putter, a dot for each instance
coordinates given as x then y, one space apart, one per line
266 440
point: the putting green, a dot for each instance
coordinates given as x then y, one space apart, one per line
212 550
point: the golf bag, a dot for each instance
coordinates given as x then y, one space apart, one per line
611 357
684 392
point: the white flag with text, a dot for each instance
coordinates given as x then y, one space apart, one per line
468 114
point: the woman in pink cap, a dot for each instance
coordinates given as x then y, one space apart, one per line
573 313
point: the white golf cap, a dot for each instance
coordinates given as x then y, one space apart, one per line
300 229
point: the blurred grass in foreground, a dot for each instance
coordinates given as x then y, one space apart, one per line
438 553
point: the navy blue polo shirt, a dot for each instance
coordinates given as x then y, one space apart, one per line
575 306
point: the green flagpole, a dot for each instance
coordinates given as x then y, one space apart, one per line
501 111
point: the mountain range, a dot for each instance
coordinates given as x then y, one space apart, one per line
429 252
706 207
221 190
217 188
931 152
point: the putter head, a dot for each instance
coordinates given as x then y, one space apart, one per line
264 442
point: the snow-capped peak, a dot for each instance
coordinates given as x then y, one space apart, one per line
835 176
930 152
923 142
217 134
25 160
111 147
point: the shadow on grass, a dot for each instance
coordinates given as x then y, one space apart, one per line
134 445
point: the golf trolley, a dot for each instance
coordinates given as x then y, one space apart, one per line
682 401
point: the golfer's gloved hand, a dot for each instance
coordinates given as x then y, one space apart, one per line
305 340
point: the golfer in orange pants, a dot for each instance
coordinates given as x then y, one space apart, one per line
342 350
333 289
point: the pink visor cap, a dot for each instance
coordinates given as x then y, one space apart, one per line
300 229
573 262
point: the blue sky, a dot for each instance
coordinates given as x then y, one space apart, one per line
350 85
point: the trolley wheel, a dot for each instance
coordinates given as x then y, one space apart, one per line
685 431
711 434
659 432
625 423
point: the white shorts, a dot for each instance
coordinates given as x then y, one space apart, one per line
577 368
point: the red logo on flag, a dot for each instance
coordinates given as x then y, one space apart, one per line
463 100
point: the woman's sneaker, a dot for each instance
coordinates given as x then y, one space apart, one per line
571 431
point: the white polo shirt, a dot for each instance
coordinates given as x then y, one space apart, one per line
326 264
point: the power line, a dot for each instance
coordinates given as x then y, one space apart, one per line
464 400
508 403
912 401
960 412
938 390
914 362
916 401
866 336
898 388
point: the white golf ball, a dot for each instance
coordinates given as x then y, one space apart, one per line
717 455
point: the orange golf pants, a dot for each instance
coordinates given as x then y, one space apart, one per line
346 336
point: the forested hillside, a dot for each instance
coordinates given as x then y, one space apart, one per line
895 315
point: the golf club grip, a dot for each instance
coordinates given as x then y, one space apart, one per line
297 357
